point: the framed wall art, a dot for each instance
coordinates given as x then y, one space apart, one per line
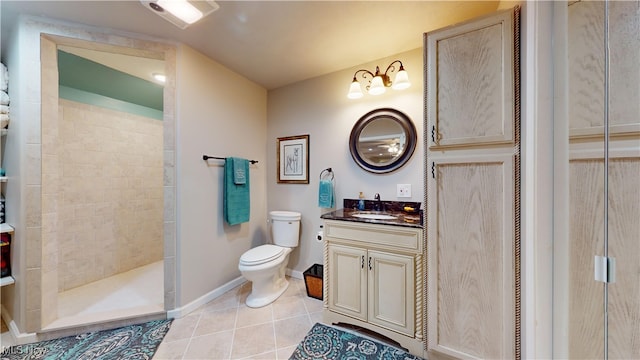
293 159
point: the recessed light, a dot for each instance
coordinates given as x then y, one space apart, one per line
159 77
181 13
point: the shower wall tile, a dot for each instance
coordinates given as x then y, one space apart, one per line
169 175
50 249
169 282
34 255
169 239
50 174
33 161
30 116
170 203
169 300
33 321
50 296
169 179
34 294
112 193
169 132
33 206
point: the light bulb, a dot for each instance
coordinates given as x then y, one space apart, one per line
402 80
355 90
377 86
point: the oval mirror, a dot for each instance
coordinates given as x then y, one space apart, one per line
382 140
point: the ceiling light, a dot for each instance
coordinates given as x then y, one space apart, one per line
182 10
159 77
181 13
378 82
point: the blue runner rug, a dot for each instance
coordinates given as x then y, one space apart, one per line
327 342
130 342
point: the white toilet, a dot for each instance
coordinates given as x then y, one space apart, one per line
265 265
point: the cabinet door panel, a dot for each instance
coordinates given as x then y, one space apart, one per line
391 291
586 68
470 88
585 302
348 279
471 257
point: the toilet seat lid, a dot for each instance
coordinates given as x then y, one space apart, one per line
261 254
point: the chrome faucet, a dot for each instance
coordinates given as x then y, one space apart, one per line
377 204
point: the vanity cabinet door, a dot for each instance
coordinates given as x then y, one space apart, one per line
391 291
348 281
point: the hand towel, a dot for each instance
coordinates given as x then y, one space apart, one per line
239 172
4 98
4 109
236 199
4 77
4 121
326 199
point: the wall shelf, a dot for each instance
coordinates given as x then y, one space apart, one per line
7 280
3 179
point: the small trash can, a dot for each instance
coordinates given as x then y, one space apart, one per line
313 281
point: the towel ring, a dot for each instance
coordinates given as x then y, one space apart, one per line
326 171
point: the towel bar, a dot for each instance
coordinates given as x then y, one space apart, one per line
329 172
207 157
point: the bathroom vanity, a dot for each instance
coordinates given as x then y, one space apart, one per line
373 273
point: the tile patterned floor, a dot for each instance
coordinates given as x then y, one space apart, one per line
226 328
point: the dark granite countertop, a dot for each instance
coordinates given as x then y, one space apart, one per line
405 219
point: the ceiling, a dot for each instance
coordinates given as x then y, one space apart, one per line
274 43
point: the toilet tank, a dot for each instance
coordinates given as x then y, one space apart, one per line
285 228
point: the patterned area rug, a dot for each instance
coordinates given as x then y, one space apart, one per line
327 342
130 342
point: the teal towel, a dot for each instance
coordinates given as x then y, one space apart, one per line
236 200
326 199
239 171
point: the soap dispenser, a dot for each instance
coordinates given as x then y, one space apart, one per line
361 201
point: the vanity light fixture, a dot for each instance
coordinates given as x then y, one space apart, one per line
181 13
378 82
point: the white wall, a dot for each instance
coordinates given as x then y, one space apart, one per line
319 107
22 107
219 113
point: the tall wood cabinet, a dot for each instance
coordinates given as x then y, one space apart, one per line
472 179
601 318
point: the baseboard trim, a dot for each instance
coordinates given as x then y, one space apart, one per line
182 311
185 310
295 274
19 337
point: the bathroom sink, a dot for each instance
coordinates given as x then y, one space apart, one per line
374 216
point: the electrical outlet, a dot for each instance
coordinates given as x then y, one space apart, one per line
403 190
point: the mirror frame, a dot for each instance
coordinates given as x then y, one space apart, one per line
388 113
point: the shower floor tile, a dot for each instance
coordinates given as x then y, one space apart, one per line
135 292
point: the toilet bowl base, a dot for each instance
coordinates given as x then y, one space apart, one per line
258 299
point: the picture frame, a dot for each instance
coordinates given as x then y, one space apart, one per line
293 159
